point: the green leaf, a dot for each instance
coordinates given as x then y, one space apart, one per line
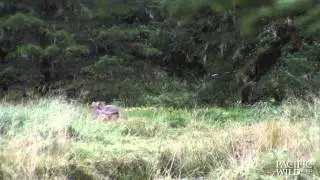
77 49
51 50
20 21
26 50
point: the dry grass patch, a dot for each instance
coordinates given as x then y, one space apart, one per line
53 139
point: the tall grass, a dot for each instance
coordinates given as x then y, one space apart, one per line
56 139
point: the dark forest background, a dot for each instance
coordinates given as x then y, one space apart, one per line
172 53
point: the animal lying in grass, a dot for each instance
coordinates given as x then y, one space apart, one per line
105 112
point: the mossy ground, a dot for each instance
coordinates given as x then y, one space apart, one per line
56 139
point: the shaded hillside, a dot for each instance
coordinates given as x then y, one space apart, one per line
150 52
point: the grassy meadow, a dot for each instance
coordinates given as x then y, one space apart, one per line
56 139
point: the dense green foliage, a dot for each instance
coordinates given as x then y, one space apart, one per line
175 53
